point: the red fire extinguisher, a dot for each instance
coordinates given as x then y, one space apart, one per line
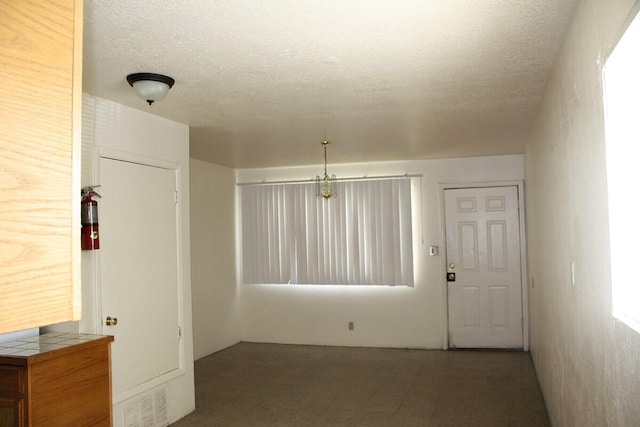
89 219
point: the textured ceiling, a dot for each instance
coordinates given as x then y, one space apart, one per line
261 83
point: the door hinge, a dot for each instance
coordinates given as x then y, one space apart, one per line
179 332
175 197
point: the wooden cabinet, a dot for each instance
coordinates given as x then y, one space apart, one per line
40 111
56 380
12 386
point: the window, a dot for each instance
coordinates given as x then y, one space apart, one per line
622 124
360 237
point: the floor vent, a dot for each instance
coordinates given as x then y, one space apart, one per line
147 410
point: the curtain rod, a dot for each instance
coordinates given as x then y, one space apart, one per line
313 180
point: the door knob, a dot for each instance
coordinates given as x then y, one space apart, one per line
111 321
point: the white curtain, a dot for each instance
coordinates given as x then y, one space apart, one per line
360 237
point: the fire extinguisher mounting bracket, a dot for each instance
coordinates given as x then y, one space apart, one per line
90 191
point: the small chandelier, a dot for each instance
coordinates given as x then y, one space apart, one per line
325 185
150 86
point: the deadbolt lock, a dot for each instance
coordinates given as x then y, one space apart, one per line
111 321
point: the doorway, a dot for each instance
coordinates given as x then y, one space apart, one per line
484 269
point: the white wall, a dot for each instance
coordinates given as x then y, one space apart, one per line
383 316
587 362
216 320
116 127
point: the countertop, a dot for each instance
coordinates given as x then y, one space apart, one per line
37 345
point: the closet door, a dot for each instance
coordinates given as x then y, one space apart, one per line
139 277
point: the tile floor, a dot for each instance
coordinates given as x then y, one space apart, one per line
292 385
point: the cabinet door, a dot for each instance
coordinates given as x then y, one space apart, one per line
10 412
40 53
12 388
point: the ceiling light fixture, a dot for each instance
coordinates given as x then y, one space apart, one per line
325 186
149 86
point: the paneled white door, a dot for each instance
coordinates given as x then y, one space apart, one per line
139 272
483 267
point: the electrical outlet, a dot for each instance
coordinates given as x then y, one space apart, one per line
351 326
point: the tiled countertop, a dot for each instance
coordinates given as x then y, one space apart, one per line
40 344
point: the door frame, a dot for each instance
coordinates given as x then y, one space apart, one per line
523 255
113 154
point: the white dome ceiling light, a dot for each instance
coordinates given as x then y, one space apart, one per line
149 86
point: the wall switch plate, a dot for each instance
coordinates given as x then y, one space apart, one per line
434 251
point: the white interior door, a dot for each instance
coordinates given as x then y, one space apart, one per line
139 271
483 252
